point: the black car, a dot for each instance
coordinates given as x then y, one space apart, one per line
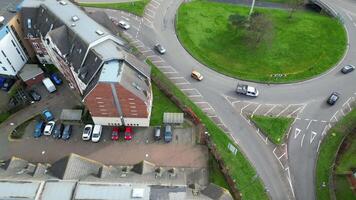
8 84
347 69
57 132
67 132
333 98
34 95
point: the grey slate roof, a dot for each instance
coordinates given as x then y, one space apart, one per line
143 167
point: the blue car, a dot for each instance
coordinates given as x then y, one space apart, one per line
2 81
38 129
56 79
48 115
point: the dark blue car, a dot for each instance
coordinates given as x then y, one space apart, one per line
2 81
38 129
48 115
56 79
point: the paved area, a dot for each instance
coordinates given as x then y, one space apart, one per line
181 152
104 1
4 99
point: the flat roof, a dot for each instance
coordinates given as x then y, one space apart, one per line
58 190
18 190
30 71
111 72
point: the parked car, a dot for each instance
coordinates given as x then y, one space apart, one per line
160 49
246 90
49 128
128 133
34 95
96 133
67 132
168 136
2 81
196 75
123 24
115 133
38 129
9 82
57 132
333 98
56 79
157 133
48 115
347 69
49 85
87 132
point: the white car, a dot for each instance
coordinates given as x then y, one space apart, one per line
96 133
49 128
123 24
87 132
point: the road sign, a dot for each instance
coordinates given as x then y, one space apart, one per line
232 148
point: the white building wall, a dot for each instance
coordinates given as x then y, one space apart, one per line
116 121
12 56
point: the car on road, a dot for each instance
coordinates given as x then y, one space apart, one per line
160 49
247 90
196 75
38 129
67 132
333 98
34 95
128 133
96 135
123 24
56 79
115 133
48 116
49 128
168 136
57 132
87 131
347 69
9 82
157 133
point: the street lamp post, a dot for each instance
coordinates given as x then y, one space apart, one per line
252 6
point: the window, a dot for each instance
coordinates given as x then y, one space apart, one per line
8 61
18 51
13 68
13 43
29 23
4 69
41 55
22 58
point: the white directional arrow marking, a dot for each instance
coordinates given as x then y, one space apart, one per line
313 135
296 133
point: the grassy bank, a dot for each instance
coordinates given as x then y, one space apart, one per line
161 104
240 167
136 7
4 116
328 151
301 47
215 174
275 128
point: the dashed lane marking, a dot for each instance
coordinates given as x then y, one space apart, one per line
301 142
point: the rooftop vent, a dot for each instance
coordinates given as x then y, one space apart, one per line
73 25
63 3
2 19
75 18
99 32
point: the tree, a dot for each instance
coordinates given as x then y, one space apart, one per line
260 29
295 5
238 21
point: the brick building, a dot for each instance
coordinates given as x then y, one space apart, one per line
115 86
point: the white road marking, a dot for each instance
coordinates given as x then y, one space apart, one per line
283 110
296 133
290 128
270 110
245 107
309 123
323 121
317 149
194 95
290 181
349 16
163 66
170 72
313 135
182 83
256 109
301 142
296 110
158 61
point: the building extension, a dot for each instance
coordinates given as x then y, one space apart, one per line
115 85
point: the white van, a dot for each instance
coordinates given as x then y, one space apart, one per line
49 85
95 137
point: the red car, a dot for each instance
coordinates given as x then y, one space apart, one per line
115 133
128 134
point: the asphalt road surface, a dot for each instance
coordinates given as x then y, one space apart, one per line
288 171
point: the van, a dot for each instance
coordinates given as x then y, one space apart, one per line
49 85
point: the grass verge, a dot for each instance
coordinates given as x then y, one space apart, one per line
4 116
328 151
316 41
215 174
161 104
240 167
136 7
275 128
21 129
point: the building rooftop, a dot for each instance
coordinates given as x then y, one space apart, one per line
30 71
8 9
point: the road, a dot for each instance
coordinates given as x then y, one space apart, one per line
288 171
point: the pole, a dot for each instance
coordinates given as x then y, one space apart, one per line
252 6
